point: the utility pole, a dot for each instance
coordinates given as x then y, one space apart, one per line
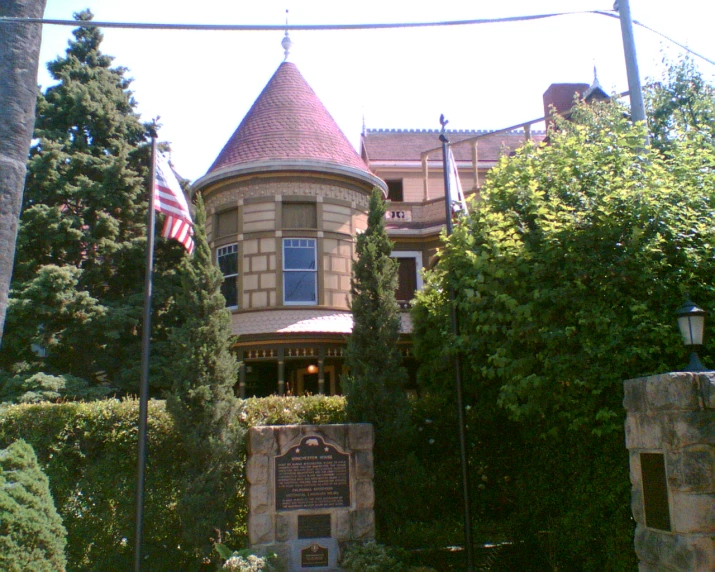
629 48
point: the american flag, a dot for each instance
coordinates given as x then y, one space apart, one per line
170 200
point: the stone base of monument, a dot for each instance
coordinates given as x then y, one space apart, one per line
310 492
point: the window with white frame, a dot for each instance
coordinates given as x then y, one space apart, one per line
227 260
409 277
300 274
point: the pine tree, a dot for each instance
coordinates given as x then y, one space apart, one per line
202 401
32 536
375 388
77 299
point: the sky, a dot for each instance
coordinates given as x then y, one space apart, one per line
201 84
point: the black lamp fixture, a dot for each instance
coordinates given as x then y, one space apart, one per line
691 321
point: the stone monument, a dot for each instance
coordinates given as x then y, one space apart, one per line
310 492
670 436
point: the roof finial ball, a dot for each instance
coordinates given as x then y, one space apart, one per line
286 43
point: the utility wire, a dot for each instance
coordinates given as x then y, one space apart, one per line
327 27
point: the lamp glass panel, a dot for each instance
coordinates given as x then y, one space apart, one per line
691 328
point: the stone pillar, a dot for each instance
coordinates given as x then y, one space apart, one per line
310 492
670 436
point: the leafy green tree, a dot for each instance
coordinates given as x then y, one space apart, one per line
77 294
32 536
375 388
569 271
679 105
202 400
567 276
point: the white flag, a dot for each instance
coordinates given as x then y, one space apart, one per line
456 196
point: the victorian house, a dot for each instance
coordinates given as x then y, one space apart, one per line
285 200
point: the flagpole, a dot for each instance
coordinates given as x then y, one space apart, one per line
144 383
454 322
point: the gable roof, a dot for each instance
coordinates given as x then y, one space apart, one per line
288 122
408 145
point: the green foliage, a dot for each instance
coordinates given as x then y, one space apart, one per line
308 410
375 388
371 557
34 388
77 291
682 104
89 452
31 533
567 274
202 401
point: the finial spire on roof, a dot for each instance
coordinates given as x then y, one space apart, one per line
596 83
286 43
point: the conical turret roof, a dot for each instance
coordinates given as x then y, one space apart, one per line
288 123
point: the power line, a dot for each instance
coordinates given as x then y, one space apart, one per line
290 27
329 27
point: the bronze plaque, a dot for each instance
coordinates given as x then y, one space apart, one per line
655 491
314 556
312 475
313 526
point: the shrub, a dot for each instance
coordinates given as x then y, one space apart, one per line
31 533
371 557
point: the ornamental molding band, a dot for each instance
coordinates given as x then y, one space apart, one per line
310 492
670 436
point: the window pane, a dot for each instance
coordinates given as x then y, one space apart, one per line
229 290
227 259
406 279
228 264
299 287
299 254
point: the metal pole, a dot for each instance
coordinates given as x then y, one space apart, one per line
454 322
144 383
629 49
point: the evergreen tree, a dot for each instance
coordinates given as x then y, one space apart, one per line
375 388
32 536
202 399
77 297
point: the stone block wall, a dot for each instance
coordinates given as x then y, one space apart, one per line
272 530
673 415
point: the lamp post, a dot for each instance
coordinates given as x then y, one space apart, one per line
691 321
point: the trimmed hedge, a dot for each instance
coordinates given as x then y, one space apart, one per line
564 501
89 452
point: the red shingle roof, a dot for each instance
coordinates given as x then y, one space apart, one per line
407 145
288 122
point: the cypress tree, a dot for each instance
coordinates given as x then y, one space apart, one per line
32 536
202 400
77 293
375 387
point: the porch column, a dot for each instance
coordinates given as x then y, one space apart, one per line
321 371
241 376
281 373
